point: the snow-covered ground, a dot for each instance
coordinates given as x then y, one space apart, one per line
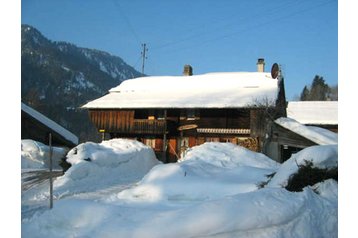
118 189
34 155
98 167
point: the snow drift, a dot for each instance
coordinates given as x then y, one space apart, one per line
96 166
262 213
35 155
99 166
209 171
321 156
212 192
228 155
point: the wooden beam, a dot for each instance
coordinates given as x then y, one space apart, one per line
165 138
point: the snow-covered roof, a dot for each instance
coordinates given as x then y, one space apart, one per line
49 123
314 112
212 90
318 135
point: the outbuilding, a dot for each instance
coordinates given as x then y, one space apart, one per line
38 127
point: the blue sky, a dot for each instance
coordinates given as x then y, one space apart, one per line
212 36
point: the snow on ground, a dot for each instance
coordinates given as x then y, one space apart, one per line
228 155
318 135
209 171
327 189
322 156
212 192
35 155
95 166
99 166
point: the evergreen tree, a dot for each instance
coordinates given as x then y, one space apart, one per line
333 94
319 89
305 94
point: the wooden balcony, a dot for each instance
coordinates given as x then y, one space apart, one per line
153 127
123 122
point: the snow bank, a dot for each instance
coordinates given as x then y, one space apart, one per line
113 162
229 155
328 189
35 155
262 213
318 135
212 192
322 156
208 171
96 167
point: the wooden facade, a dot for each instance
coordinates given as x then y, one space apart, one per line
236 107
171 131
286 142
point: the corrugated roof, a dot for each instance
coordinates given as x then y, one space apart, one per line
213 90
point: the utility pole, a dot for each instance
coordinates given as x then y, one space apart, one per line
144 57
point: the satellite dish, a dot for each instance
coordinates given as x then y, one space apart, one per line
275 70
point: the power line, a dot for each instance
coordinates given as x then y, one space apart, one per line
126 19
252 27
131 29
137 61
218 27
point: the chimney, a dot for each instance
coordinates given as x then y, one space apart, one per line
260 65
188 70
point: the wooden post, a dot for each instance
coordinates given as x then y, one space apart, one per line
180 146
164 155
51 182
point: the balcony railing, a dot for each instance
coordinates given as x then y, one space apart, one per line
144 126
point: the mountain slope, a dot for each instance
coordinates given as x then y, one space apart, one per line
58 77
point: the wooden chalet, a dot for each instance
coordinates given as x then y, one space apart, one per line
36 126
173 113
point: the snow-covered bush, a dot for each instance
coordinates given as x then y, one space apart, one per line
307 175
319 156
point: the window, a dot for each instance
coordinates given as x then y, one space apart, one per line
151 115
182 114
212 139
192 114
160 114
150 143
